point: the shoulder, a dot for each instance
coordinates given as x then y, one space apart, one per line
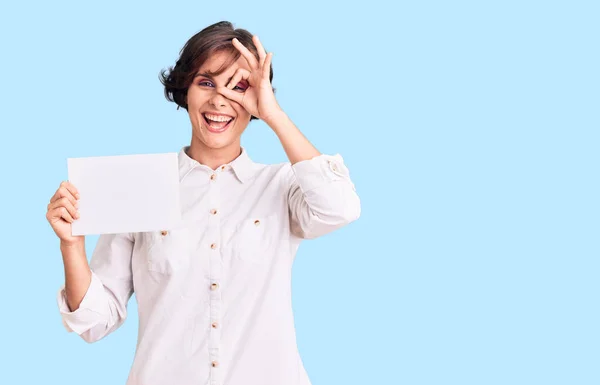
282 169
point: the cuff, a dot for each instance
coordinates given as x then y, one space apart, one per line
320 170
85 316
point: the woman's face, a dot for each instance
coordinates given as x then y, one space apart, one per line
209 111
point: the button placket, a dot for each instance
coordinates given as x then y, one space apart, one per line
215 264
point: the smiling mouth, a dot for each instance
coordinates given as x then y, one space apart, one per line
216 126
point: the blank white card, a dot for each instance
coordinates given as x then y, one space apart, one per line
126 193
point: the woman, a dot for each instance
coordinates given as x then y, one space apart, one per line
214 294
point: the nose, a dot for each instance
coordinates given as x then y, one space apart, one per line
217 99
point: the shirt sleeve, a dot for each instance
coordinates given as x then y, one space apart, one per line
321 197
104 306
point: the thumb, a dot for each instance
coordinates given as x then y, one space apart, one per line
231 94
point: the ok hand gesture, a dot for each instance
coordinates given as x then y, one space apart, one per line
258 99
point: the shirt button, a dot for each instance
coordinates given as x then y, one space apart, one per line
223 167
164 232
215 325
213 246
213 177
215 364
214 286
332 165
257 222
213 211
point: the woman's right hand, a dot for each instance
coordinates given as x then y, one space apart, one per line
62 211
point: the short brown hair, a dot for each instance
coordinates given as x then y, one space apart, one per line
212 39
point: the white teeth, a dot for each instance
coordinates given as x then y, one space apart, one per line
218 118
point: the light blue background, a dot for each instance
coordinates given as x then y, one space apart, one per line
471 131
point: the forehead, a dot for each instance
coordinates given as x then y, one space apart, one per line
215 63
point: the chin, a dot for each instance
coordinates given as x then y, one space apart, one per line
206 140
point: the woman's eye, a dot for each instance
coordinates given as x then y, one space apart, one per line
241 86
205 82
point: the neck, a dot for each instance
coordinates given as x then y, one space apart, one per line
213 157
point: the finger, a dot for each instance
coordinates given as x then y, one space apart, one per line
66 203
240 74
267 66
62 193
58 213
71 208
231 94
262 54
65 189
250 58
72 189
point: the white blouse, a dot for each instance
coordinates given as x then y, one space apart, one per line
214 294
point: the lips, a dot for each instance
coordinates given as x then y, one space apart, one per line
216 127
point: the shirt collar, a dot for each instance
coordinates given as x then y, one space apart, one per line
243 167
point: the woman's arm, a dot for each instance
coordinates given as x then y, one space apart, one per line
321 196
297 147
77 272
93 301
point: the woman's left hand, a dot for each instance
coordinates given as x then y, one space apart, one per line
258 99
